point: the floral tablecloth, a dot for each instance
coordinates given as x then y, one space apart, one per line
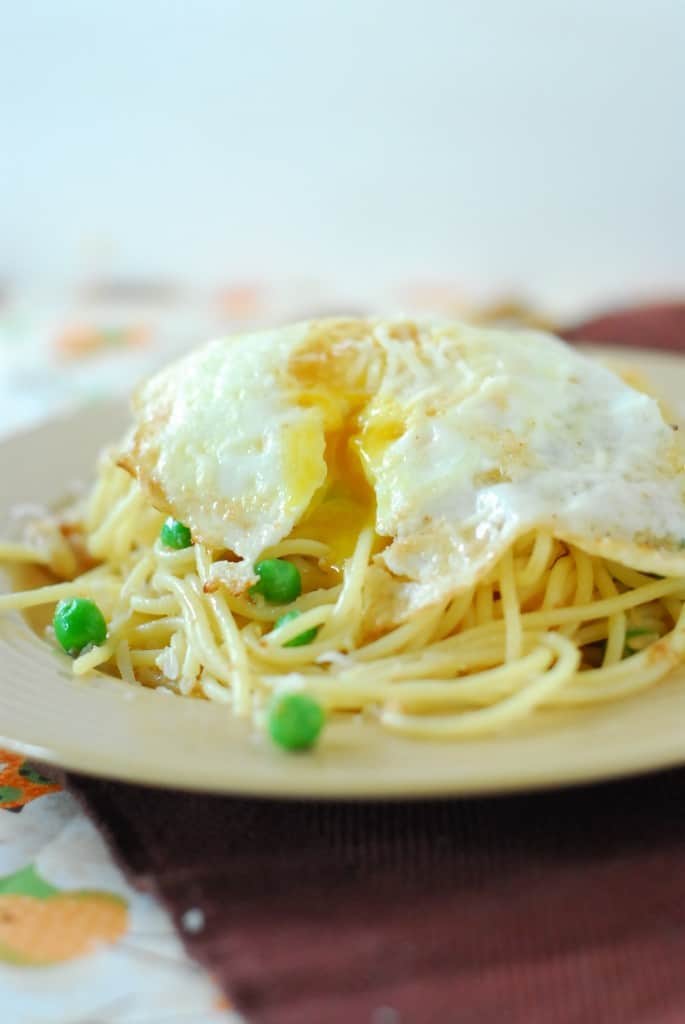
78 945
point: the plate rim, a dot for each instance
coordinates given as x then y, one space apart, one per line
523 779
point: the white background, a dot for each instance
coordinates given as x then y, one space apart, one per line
535 144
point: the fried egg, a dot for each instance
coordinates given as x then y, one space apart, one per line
451 440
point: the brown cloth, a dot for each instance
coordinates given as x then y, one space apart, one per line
559 908
659 325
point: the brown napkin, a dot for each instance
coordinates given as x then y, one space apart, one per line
659 325
560 908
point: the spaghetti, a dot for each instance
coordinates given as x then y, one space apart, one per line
547 626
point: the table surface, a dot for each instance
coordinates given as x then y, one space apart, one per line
77 943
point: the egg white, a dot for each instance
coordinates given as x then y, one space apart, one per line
453 439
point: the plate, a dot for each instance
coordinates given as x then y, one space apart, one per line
103 727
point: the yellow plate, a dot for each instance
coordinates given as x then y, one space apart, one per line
105 727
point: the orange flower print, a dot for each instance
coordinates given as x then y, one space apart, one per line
240 301
79 341
20 783
39 924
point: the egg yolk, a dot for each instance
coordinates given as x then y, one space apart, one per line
345 504
331 378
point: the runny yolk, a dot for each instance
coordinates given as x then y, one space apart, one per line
329 378
346 503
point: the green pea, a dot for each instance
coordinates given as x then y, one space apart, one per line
79 623
279 581
302 638
295 721
175 535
